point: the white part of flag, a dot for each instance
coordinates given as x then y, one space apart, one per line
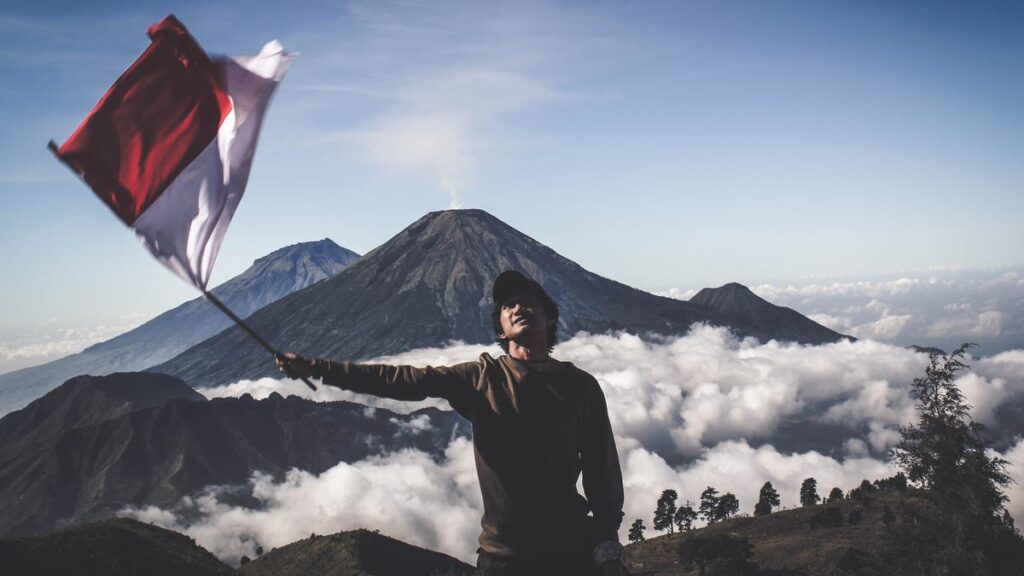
184 227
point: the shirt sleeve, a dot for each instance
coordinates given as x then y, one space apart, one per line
602 476
453 383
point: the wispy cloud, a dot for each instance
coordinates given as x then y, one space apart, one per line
439 79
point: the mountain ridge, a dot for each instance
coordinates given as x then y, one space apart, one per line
164 336
74 470
429 284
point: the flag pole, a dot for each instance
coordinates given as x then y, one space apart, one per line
241 324
52 146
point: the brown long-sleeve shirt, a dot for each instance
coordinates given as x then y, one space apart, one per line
536 426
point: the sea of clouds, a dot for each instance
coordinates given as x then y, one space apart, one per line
940 307
688 412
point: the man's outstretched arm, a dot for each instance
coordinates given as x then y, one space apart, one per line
454 383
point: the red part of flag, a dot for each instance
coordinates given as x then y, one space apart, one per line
151 124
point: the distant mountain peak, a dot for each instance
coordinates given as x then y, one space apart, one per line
783 323
729 297
313 247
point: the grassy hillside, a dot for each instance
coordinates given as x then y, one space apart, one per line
800 540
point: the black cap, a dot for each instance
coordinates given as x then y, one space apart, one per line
513 283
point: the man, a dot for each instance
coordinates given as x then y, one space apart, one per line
537 424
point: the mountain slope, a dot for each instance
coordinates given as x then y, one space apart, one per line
801 541
430 284
268 279
86 400
354 553
89 469
118 547
783 323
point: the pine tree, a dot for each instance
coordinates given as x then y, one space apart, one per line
809 492
709 505
767 500
685 516
727 506
943 453
665 513
636 531
836 495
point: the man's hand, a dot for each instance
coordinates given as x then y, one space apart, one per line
293 365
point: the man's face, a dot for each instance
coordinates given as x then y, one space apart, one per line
523 318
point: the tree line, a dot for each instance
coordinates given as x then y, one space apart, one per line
713 508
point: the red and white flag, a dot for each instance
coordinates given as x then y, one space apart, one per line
169 146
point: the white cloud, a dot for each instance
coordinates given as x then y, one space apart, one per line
887 328
261 388
414 426
688 413
678 294
840 324
405 494
941 308
679 395
878 402
736 467
988 324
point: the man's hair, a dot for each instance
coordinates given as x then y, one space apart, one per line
550 310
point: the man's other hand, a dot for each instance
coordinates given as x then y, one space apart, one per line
293 365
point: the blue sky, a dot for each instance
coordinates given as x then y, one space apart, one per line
665 145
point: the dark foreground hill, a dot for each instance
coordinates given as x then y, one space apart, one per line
118 547
85 400
431 283
354 553
73 465
268 279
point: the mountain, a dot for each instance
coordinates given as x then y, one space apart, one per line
268 279
119 547
430 284
767 318
86 400
75 466
354 553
